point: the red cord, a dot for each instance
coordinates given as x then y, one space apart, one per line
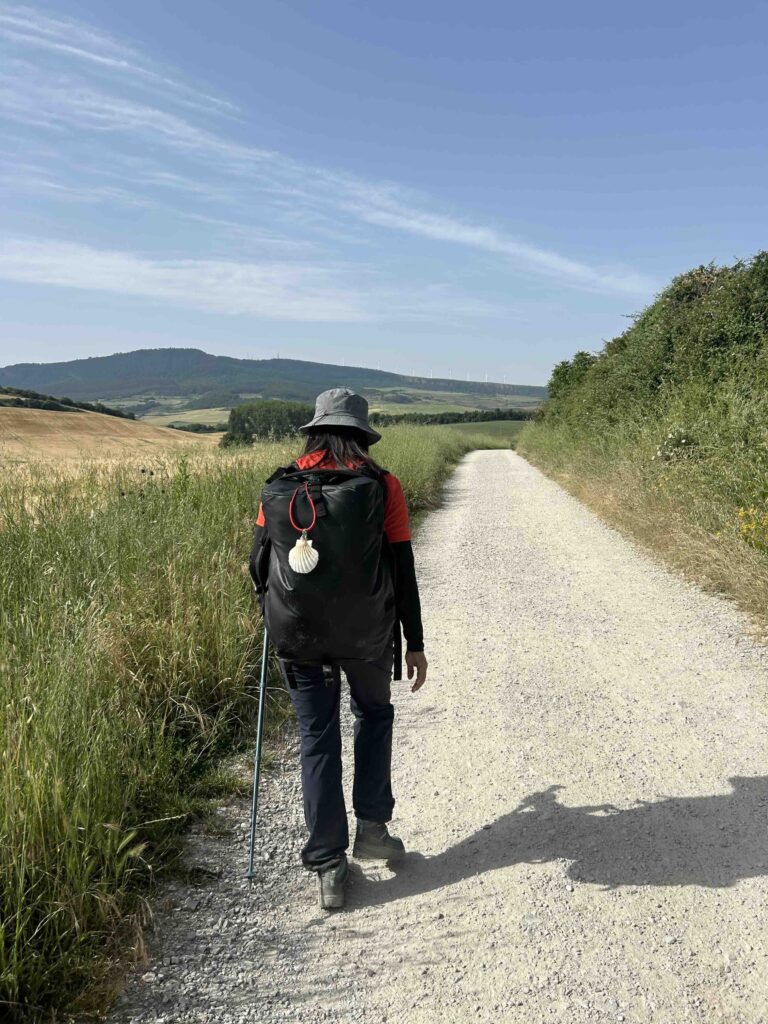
294 524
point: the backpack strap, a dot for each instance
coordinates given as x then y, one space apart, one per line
315 492
282 471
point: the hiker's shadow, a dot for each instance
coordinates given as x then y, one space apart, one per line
706 840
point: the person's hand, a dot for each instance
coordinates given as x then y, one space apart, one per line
417 665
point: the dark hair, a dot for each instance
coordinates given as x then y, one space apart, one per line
344 444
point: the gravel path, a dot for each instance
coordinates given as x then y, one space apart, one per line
583 783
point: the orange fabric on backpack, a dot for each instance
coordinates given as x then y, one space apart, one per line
397 526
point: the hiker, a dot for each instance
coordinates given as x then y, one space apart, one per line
333 565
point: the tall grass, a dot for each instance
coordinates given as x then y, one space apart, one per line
128 653
665 432
492 433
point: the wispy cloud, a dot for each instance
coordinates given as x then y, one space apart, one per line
280 291
151 154
298 291
385 208
33 95
29 28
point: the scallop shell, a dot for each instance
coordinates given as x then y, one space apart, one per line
302 557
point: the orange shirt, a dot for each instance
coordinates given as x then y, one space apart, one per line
397 526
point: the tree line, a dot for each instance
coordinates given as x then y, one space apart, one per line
23 398
273 419
268 419
386 419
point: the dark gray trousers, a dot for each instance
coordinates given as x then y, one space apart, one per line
316 695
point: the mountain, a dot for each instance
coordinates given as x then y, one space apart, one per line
205 380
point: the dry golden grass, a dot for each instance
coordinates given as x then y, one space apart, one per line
720 561
34 434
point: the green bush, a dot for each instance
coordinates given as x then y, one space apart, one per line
265 420
676 408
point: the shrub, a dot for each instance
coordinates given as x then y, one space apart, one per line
665 431
265 420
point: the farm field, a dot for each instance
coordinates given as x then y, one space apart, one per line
401 400
173 411
496 430
421 404
218 414
129 646
395 401
30 434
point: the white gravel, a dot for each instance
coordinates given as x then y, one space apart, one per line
583 784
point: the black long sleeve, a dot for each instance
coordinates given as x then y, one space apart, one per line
407 599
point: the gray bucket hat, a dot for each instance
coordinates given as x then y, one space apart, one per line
341 407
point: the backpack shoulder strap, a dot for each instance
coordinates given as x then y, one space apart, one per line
282 471
379 475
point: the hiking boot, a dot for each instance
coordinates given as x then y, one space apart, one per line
330 885
373 842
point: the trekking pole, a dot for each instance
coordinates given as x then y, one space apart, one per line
257 757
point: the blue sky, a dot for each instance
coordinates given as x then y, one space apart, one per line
448 187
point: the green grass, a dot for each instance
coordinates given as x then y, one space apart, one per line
495 432
129 651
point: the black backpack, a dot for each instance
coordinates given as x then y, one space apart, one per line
344 608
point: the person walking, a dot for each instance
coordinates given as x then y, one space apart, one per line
333 565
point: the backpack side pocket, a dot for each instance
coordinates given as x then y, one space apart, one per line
258 564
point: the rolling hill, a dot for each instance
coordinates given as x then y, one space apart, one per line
174 379
40 434
25 399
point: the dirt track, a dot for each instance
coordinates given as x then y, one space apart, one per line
583 783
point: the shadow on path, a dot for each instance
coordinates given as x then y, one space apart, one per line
705 840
